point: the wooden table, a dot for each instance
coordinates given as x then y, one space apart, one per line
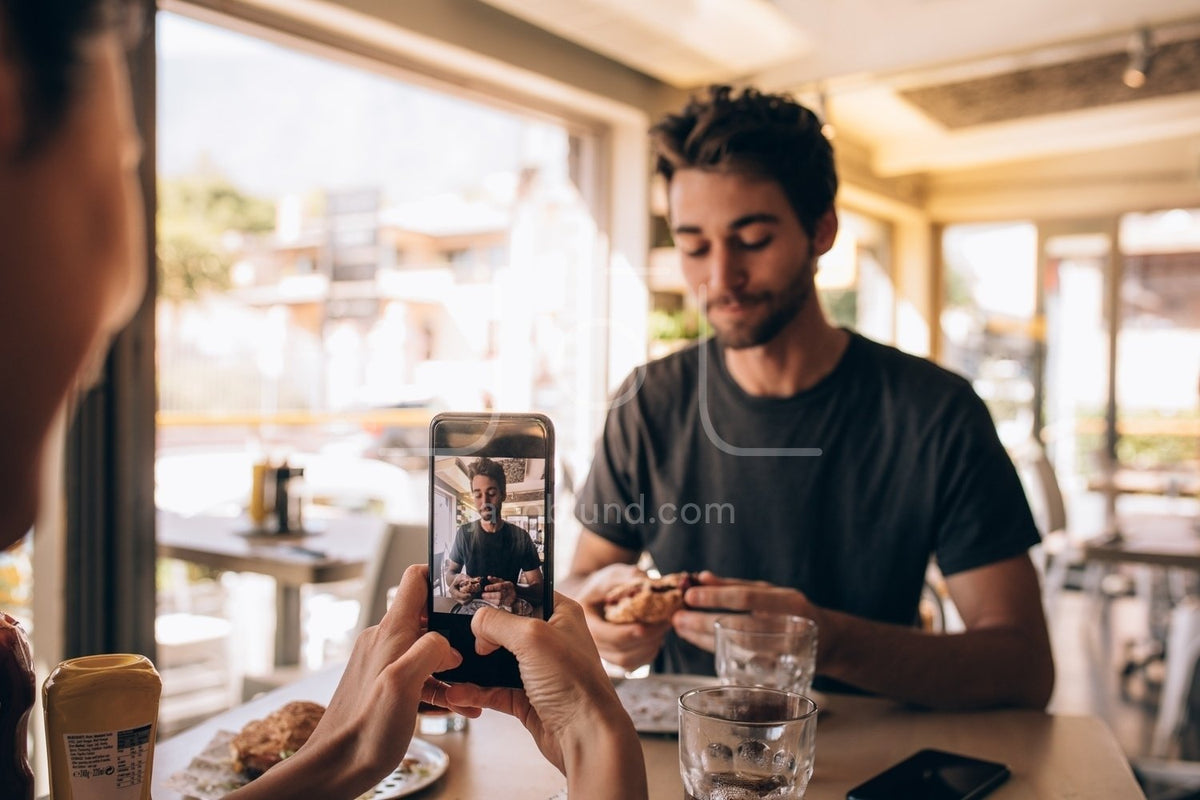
1050 756
1163 540
1137 481
338 549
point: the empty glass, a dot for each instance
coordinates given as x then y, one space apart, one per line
746 743
773 650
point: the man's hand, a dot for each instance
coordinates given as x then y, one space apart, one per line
457 582
629 646
717 596
500 592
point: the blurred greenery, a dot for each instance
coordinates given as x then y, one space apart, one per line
1161 450
676 325
842 306
194 214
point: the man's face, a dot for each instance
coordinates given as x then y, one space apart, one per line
71 264
744 253
487 496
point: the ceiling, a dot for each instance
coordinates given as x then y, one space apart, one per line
926 86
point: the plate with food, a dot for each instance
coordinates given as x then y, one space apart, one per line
233 759
521 607
421 766
653 701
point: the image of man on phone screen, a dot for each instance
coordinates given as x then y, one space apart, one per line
492 559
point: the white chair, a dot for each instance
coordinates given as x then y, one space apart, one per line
1182 656
401 545
404 544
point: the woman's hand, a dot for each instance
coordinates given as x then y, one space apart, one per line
368 724
568 703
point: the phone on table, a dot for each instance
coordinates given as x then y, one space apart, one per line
933 775
491 530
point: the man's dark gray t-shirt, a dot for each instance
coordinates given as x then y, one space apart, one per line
504 553
701 475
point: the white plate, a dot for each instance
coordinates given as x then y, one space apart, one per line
431 764
653 701
210 774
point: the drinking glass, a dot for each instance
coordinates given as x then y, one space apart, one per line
745 743
778 651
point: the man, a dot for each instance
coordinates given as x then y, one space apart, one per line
71 274
492 548
811 470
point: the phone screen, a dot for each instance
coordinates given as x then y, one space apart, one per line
491 530
933 775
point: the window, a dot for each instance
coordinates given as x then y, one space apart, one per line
341 263
987 320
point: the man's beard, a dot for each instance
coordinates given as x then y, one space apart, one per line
781 308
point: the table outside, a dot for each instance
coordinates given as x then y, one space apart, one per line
1163 540
1050 756
337 549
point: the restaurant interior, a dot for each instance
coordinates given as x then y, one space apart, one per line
369 212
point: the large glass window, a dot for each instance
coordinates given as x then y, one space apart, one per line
343 253
1158 346
987 319
854 279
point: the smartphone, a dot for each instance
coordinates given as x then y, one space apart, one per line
491 530
933 775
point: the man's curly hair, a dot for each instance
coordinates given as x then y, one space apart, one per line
748 132
491 469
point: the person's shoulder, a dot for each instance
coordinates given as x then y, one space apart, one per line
908 370
665 381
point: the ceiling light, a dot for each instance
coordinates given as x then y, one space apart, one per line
1139 60
827 129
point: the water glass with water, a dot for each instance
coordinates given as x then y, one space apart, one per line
778 651
746 743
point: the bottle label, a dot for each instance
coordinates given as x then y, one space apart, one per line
110 765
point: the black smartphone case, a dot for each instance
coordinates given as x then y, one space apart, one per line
500 667
933 775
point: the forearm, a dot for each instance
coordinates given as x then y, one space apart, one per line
310 773
980 668
604 759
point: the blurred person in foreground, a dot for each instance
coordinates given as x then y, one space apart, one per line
72 273
799 467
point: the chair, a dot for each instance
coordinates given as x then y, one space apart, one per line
401 545
195 651
1061 548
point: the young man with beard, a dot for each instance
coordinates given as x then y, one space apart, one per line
799 467
490 548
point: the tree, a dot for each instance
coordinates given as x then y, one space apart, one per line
194 214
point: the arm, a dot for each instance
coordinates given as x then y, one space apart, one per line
367 726
505 593
568 703
596 567
1003 657
452 575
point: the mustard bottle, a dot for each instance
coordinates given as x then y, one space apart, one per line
101 720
